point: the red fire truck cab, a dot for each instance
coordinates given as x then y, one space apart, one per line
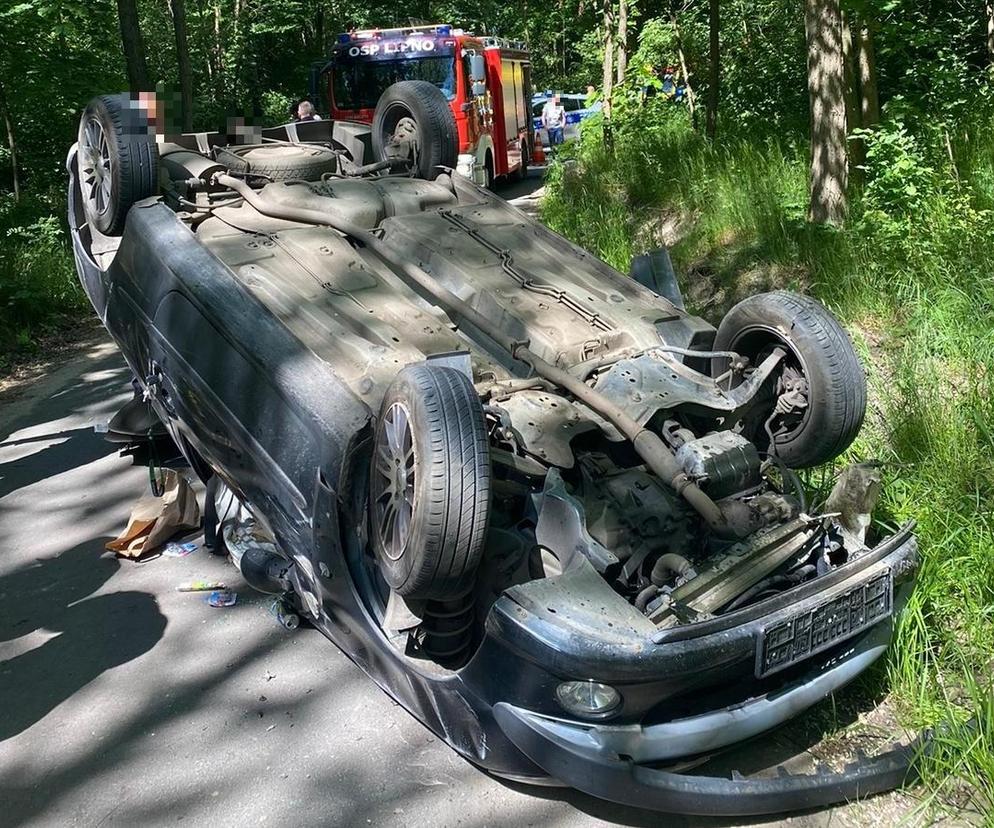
486 80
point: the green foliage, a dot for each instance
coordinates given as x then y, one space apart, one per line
911 276
899 181
38 283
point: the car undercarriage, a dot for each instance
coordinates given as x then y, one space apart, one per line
553 513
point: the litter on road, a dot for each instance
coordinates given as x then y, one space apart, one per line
154 520
202 586
179 550
222 599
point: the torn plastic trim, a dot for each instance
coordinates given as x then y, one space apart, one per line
613 778
902 545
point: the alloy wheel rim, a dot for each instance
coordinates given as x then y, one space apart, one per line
394 481
96 166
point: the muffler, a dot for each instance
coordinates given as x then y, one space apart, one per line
256 557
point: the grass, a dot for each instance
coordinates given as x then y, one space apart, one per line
910 275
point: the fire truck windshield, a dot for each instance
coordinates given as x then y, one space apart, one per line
358 84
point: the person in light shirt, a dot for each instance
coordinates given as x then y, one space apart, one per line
554 120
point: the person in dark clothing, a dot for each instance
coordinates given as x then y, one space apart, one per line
306 112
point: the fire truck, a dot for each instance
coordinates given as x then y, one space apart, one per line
486 81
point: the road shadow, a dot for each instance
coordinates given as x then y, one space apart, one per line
99 378
65 450
92 633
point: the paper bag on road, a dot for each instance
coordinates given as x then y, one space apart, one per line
154 520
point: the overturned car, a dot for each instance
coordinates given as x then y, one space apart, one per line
550 512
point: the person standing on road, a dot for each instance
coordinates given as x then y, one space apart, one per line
554 120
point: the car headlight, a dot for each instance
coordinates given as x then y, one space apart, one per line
589 699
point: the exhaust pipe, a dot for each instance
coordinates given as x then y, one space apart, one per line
262 567
728 521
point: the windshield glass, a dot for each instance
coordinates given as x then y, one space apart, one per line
359 84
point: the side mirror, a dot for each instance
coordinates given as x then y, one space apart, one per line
479 89
477 68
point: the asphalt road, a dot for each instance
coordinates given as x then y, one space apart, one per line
125 702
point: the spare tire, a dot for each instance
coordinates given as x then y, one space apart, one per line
117 160
280 162
430 483
821 371
413 120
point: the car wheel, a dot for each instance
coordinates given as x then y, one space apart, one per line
821 384
430 483
118 160
280 162
413 121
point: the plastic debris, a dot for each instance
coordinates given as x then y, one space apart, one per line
179 550
202 586
222 598
284 613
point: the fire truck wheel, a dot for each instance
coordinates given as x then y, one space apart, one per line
522 172
488 169
413 120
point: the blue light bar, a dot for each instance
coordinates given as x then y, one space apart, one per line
344 37
444 30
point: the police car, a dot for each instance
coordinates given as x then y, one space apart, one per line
576 111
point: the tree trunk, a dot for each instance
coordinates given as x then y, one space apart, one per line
714 69
134 46
11 143
622 40
826 85
608 76
319 32
989 9
853 98
869 97
177 8
691 96
218 51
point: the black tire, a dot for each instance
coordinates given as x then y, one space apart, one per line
522 172
431 453
434 127
489 177
821 350
118 160
280 162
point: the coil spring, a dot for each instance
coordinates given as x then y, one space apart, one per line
446 631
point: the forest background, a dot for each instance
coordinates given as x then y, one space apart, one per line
844 149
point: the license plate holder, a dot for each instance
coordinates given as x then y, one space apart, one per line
810 632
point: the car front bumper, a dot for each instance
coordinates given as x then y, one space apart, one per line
618 761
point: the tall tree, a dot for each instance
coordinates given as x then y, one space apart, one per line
177 9
134 45
826 90
989 9
684 71
714 68
854 115
622 40
608 75
11 142
867 76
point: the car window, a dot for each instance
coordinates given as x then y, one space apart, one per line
571 104
537 109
